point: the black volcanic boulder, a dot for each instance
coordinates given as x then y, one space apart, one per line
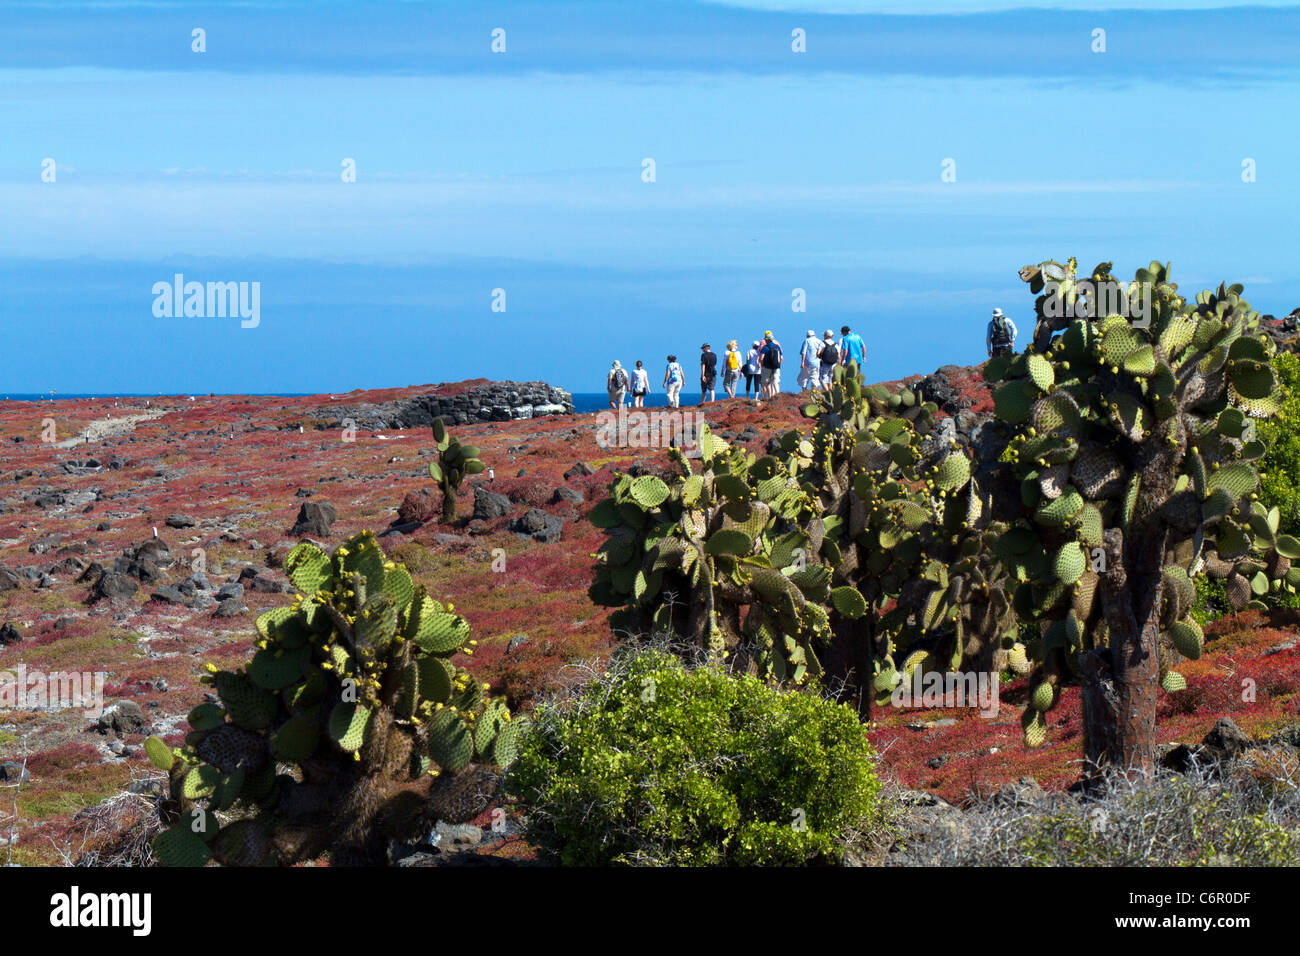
230 607
8 580
113 585
145 561
315 519
172 594
123 718
489 504
9 634
579 470
567 495
538 525
179 521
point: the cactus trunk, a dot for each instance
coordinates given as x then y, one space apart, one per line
1121 681
849 661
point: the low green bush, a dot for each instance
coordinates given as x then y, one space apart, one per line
1280 466
658 764
1211 600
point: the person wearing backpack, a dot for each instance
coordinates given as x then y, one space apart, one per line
708 372
731 376
827 359
616 384
673 379
640 385
1000 339
770 357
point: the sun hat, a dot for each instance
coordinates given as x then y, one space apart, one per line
997 313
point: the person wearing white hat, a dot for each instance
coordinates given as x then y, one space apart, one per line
1000 339
809 363
616 384
753 370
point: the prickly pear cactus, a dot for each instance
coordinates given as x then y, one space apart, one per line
913 536
455 461
1133 456
351 692
858 545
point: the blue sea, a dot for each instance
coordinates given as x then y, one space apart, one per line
80 396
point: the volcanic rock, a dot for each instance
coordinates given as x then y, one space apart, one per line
315 519
489 504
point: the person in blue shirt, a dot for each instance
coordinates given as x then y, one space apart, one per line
852 348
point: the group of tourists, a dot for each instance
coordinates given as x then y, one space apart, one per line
760 367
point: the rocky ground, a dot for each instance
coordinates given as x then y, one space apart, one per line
141 540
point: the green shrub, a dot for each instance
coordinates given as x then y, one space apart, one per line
1211 600
1280 478
656 764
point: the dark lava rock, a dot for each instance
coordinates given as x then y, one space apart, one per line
9 634
123 718
13 772
145 561
179 521
566 494
489 504
231 589
1225 740
8 580
266 584
493 401
579 470
539 525
230 607
516 642
172 594
315 519
69 566
113 585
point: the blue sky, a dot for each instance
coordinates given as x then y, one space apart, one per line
523 171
